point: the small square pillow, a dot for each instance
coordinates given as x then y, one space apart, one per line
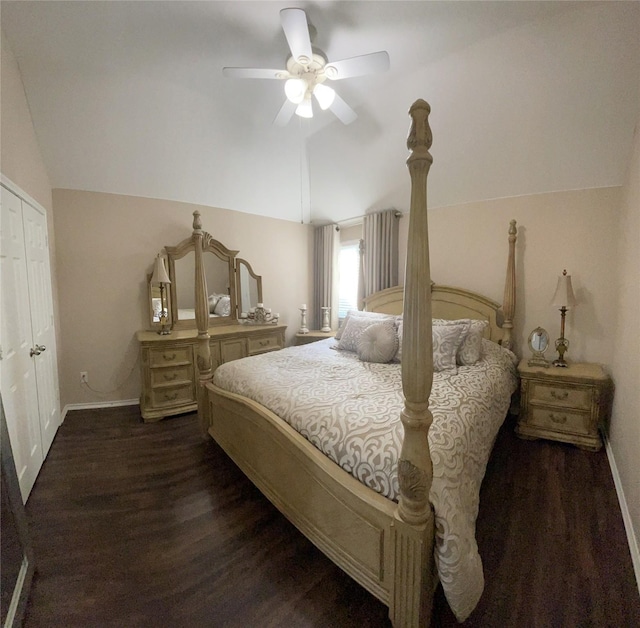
353 330
446 342
446 336
359 314
223 306
470 350
378 343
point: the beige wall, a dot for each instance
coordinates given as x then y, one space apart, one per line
625 361
106 246
575 230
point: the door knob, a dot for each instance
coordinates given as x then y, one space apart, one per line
41 348
35 351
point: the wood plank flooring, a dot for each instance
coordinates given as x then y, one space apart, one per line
139 524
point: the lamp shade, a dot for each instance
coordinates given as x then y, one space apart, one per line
325 95
564 292
295 89
159 272
305 109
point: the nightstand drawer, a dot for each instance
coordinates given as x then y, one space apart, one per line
560 419
170 356
578 398
177 375
264 343
173 395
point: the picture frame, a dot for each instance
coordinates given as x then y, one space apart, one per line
538 344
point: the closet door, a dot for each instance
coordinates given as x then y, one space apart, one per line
28 374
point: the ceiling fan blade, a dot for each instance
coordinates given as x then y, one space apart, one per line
296 30
358 66
255 73
286 113
342 111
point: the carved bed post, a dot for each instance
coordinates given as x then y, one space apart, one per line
509 300
203 356
413 526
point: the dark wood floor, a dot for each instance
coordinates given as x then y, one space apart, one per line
150 525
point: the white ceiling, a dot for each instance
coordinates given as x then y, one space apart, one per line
526 97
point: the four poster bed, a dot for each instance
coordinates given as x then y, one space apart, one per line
316 427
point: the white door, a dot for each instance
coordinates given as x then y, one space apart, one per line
42 323
28 375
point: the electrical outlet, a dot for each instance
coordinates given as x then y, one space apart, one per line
84 377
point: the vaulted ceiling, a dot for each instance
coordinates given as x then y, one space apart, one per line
526 97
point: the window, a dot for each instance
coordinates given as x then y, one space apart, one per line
349 266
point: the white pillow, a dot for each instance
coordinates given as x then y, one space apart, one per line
359 314
353 330
378 342
223 306
213 301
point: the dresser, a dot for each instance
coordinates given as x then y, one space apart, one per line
565 404
168 363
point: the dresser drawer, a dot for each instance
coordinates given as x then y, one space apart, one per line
173 395
172 356
560 419
261 344
576 397
171 375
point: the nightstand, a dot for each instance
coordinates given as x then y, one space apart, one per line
313 336
564 404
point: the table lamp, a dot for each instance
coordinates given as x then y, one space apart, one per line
564 299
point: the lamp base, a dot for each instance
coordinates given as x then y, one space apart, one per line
560 362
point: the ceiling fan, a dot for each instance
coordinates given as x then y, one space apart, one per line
308 69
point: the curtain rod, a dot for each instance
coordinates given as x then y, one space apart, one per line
397 214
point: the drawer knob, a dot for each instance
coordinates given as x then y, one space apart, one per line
558 418
168 357
171 397
264 343
560 396
171 377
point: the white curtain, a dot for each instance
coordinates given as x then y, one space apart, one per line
326 247
380 235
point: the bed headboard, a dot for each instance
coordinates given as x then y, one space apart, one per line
453 303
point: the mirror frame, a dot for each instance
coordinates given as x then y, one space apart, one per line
210 245
538 358
258 279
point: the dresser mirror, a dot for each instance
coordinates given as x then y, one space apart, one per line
218 262
249 286
538 344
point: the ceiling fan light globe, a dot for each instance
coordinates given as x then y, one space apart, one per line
305 109
325 95
295 89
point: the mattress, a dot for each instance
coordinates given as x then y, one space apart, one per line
350 410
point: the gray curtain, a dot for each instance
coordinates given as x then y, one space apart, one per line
380 234
326 247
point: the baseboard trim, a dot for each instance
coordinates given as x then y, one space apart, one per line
98 404
626 517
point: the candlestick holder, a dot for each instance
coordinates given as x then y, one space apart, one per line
303 321
326 324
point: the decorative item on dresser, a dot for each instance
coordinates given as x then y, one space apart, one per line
303 320
171 366
568 404
538 344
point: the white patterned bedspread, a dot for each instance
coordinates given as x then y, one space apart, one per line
350 410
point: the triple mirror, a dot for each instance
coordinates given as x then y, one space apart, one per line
232 286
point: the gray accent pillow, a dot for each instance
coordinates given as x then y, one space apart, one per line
378 342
